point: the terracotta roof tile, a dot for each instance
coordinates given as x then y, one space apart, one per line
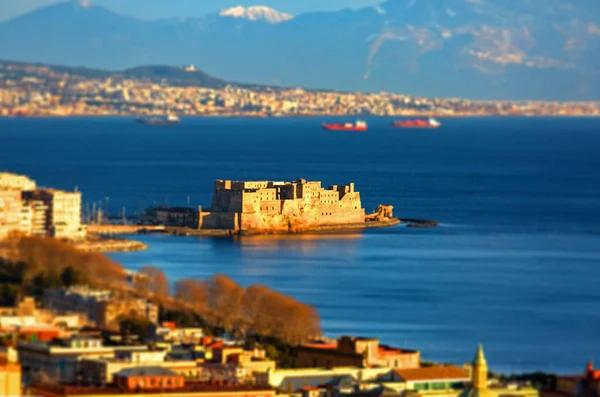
432 373
325 346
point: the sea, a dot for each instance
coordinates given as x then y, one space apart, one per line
514 263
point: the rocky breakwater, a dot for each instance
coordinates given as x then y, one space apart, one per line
99 238
104 230
110 245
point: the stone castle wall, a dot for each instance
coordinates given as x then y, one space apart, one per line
277 206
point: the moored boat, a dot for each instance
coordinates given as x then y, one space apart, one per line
358 125
429 123
169 120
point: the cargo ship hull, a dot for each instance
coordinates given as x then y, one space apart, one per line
341 127
415 126
431 123
157 122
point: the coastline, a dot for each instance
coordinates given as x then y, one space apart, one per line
111 245
295 116
109 230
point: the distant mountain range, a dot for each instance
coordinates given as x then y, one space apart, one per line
256 13
482 49
179 76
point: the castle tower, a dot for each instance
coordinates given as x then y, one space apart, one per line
479 376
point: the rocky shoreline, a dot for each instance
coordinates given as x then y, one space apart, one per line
110 245
107 245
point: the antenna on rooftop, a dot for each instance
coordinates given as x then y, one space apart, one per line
87 213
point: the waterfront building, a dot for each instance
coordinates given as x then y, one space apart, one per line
176 216
38 211
39 219
281 206
27 216
63 213
10 211
17 182
356 351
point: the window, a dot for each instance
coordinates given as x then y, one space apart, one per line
438 386
420 386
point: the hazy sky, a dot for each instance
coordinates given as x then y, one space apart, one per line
154 9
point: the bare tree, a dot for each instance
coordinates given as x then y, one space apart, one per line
155 282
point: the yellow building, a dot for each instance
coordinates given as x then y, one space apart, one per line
451 381
10 211
479 378
10 375
479 386
63 212
14 181
269 206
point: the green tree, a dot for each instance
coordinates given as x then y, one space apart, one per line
271 352
70 277
135 326
8 294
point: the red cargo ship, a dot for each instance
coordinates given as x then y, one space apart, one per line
359 125
431 123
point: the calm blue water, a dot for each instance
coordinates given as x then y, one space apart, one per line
514 264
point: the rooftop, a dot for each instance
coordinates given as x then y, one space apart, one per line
145 371
319 345
190 387
432 373
385 350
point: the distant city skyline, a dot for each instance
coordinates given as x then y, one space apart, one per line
156 9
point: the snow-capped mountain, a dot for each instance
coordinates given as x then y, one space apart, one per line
482 49
256 13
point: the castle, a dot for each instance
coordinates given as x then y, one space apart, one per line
281 206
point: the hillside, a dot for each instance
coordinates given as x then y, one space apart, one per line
484 49
159 74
